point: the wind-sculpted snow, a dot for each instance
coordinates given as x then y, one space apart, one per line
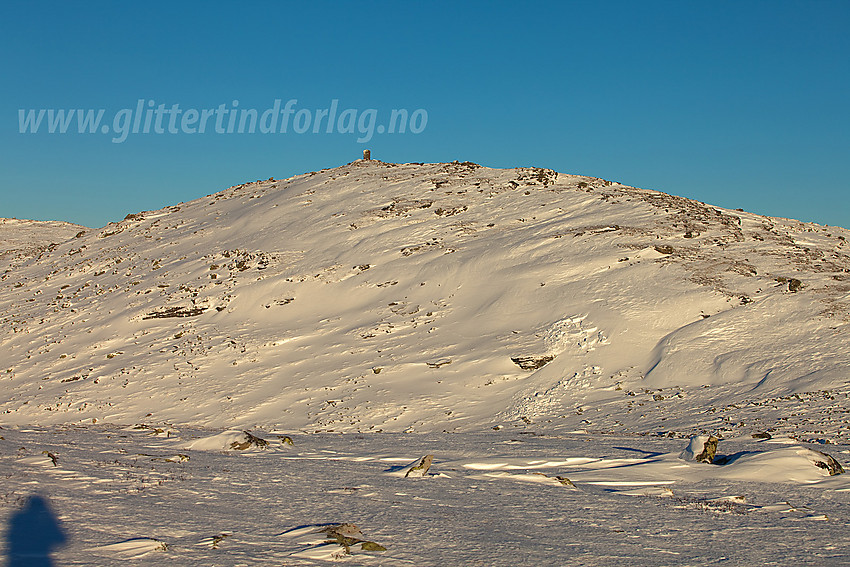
391 297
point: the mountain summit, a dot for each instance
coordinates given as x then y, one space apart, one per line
378 296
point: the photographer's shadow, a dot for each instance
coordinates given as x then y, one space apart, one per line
34 531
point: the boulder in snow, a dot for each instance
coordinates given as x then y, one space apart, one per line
824 461
330 542
701 449
233 439
420 468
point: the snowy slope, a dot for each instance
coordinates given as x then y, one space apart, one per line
24 239
379 296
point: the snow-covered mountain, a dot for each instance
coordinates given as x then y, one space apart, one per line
379 296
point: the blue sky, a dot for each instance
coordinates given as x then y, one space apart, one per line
739 104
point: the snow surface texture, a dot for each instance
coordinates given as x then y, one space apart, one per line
515 497
378 296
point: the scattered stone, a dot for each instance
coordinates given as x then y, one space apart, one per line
794 285
215 540
347 535
564 481
178 458
449 212
372 546
156 431
762 435
664 249
286 440
401 207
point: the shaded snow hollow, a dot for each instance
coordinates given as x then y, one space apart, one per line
395 297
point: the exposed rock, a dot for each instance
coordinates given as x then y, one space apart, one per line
439 363
532 362
400 207
175 312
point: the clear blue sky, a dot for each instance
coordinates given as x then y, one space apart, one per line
740 104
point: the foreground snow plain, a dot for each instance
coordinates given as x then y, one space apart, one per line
143 496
